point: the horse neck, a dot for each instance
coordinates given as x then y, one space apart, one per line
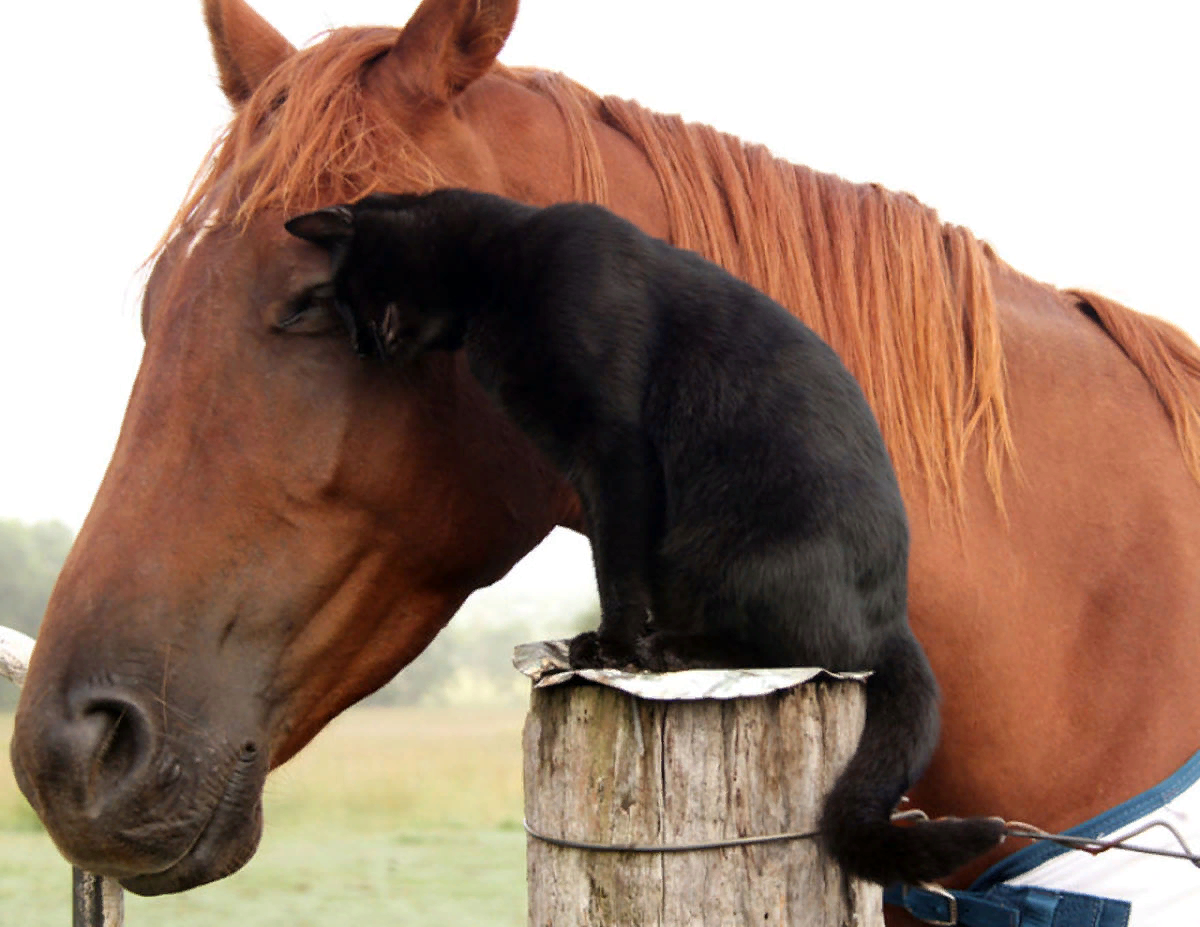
905 301
557 149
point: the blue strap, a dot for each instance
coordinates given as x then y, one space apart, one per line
970 909
991 902
1009 906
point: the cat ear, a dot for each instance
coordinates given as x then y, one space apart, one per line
331 227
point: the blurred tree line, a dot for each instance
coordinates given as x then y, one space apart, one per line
470 662
465 664
30 558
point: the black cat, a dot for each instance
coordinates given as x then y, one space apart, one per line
741 504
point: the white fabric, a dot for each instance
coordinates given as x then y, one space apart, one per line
1164 892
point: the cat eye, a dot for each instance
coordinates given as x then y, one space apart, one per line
314 312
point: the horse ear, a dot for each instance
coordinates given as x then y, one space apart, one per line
246 47
330 227
447 44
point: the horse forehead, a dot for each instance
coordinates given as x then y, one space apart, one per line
208 223
215 245
175 255
176 261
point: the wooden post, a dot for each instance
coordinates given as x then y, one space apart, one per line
97 902
603 766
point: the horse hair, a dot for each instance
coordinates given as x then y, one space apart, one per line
905 299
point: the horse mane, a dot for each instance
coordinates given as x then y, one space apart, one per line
1167 358
336 145
905 299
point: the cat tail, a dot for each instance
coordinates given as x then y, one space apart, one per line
898 738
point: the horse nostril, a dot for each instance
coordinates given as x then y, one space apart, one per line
113 740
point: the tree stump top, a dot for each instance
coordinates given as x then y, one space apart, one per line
545 662
685 758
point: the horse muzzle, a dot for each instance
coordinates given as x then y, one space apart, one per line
129 790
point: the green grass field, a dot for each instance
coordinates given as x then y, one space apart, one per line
392 816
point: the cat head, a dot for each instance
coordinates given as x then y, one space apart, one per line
388 279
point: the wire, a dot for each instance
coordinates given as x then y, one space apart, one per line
1012 829
666 848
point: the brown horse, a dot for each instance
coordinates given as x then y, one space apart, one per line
283 527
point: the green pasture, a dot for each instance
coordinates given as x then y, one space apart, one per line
392 816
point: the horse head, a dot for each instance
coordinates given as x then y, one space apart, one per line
283 525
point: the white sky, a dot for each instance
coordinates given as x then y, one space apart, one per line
1064 133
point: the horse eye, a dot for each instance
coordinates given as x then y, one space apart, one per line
315 312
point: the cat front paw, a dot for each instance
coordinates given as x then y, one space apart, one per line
590 650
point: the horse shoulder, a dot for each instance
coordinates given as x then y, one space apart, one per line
1085 576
